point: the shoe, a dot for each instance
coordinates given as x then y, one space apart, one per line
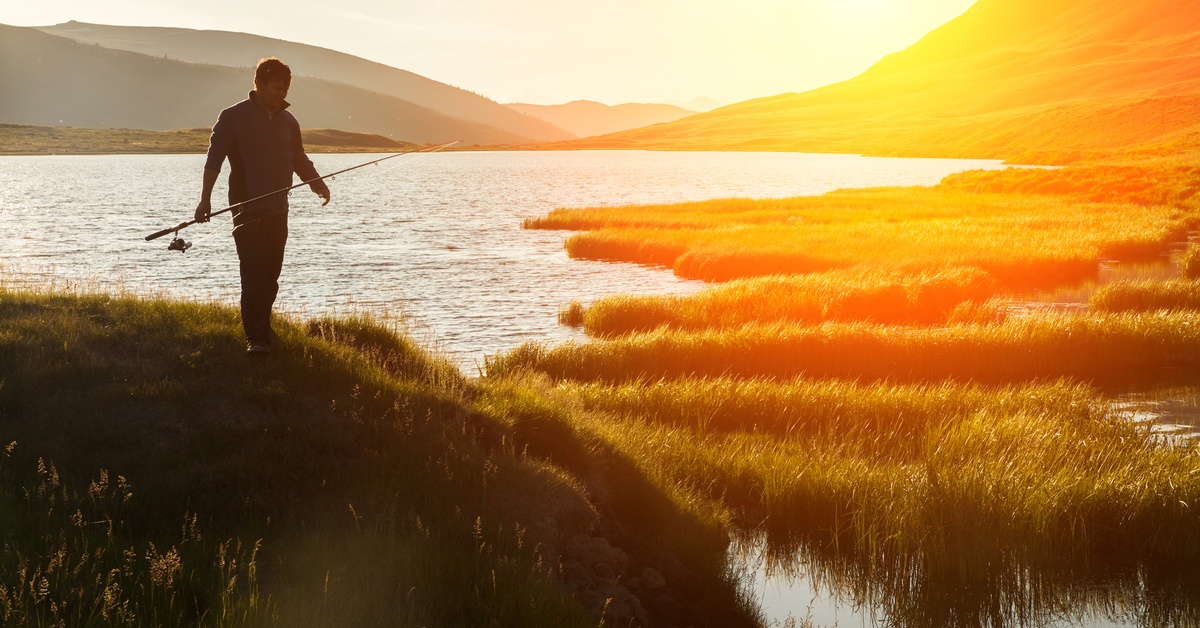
258 349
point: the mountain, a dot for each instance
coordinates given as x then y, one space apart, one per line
1045 79
586 117
53 80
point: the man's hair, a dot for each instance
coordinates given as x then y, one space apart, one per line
271 69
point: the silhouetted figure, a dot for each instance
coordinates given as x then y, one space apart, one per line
262 142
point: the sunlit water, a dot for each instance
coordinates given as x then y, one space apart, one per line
436 237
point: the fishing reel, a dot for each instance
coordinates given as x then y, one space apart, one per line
179 244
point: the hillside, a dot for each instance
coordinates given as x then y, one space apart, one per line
98 87
586 118
243 50
1057 80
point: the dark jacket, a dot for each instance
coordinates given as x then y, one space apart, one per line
263 153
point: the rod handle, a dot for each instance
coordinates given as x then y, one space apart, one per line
163 232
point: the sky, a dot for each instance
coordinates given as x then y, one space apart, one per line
554 51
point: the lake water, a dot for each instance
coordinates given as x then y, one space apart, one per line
435 237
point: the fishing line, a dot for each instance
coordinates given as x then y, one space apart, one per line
179 244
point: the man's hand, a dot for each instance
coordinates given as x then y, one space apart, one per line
203 210
322 190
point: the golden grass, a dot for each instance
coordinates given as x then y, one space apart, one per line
1105 348
1024 241
1165 183
862 418
1145 296
841 295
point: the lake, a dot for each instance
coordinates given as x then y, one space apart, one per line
435 238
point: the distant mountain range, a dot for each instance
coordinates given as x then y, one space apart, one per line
585 117
1049 80
90 75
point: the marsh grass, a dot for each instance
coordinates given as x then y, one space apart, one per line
1023 241
1190 264
983 504
894 418
1105 348
850 295
1146 296
1161 183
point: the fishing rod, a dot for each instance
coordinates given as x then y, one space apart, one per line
178 244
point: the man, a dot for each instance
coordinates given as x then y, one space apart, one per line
262 141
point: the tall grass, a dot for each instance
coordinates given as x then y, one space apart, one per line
986 220
1141 184
990 504
75 558
852 295
1145 296
892 418
1106 348
1023 242
1190 264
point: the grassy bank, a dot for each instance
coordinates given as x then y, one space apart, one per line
1110 349
20 139
160 477
1023 241
921 298
933 504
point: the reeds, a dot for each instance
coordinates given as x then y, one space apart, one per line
1190 264
1104 348
1003 494
1023 242
892 417
1146 184
852 295
1146 296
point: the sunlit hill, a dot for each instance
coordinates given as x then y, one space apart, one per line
1052 80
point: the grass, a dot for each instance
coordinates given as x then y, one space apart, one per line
844 295
1023 241
940 503
357 480
1146 296
1190 265
890 417
857 396
1163 182
1105 348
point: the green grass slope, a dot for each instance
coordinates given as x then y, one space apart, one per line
151 474
1052 81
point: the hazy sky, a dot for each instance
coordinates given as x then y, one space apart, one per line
551 51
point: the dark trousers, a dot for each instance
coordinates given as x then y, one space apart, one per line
260 244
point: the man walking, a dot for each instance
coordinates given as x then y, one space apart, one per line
262 142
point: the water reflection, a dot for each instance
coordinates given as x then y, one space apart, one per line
955 580
1173 415
1076 296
